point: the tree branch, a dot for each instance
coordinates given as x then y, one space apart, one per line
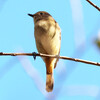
93 5
52 56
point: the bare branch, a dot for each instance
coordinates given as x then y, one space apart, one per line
93 5
52 56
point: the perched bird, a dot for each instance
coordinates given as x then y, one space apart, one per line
48 40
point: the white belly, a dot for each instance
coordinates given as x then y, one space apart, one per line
47 37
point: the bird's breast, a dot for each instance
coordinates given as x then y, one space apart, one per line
42 24
47 34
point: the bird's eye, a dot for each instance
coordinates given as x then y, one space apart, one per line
41 13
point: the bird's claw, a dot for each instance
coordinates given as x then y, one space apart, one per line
34 55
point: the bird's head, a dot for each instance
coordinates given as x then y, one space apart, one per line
41 15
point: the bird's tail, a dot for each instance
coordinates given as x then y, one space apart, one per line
49 82
50 63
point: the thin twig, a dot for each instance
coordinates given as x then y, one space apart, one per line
93 5
52 56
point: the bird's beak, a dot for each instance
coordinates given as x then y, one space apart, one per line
31 15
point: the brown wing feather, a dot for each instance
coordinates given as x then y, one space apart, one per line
59 51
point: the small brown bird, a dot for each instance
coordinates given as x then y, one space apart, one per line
48 40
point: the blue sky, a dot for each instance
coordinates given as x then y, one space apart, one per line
22 78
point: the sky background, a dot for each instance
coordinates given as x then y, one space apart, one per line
22 78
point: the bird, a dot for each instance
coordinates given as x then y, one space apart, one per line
47 35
